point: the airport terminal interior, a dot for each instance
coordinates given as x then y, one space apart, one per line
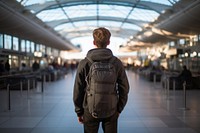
43 41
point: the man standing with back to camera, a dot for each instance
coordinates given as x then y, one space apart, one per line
89 120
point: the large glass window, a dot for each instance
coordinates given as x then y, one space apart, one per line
15 43
7 42
49 51
32 47
1 40
43 49
182 41
134 17
23 46
37 47
28 46
55 52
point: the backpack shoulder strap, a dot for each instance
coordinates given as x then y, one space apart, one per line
112 59
87 74
90 60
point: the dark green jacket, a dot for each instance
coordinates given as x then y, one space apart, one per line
98 54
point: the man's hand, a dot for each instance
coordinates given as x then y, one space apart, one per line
80 119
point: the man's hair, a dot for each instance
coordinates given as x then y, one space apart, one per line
101 37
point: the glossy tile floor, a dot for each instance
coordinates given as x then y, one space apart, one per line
149 109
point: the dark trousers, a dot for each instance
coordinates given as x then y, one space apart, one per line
91 124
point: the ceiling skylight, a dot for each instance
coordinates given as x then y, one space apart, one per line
76 19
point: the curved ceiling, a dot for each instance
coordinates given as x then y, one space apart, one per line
181 22
126 19
77 18
17 22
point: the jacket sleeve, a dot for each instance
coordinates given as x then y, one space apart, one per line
123 87
79 90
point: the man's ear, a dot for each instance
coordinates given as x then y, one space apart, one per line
108 42
94 43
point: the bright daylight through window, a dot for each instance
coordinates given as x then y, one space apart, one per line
76 20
